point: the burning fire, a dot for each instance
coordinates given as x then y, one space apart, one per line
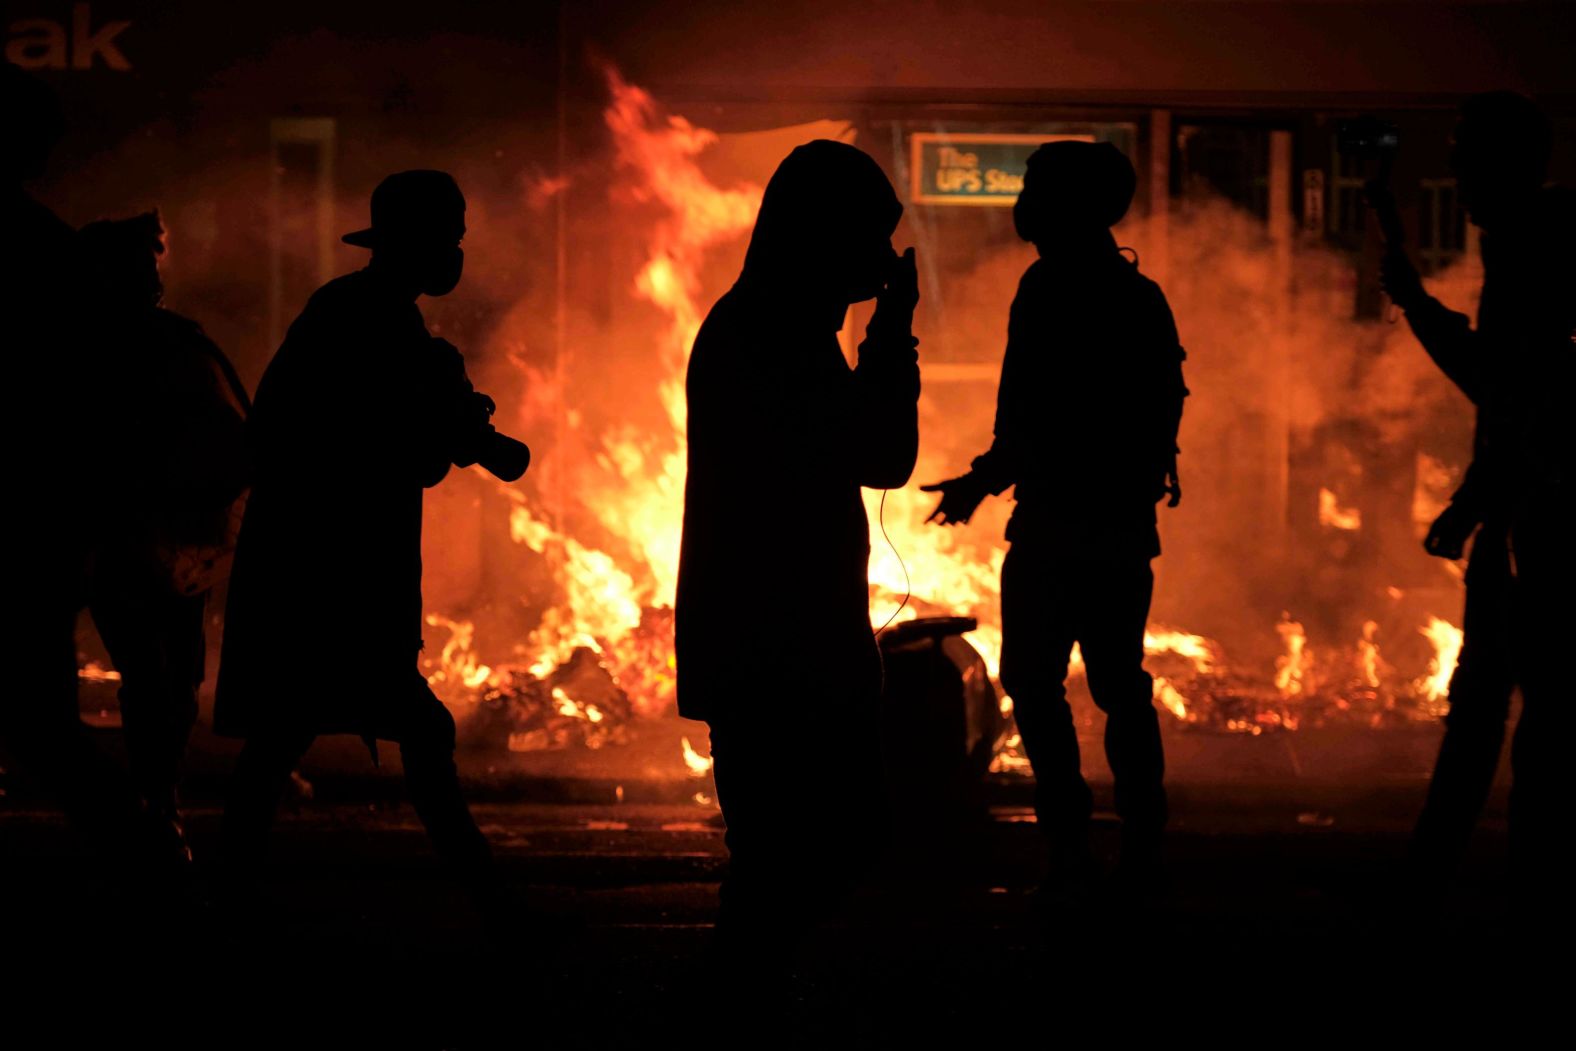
698 765
602 652
1368 653
1446 639
93 671
1333 515
1291 668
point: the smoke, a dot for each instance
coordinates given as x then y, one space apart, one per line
1290 393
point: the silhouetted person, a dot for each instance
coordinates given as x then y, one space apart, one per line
359 411
1518 366
782 436
170 420
1086 425
50 414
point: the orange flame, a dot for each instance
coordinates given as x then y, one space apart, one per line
1291 668
632 486
1368 654
1333 515
1446 638
697 764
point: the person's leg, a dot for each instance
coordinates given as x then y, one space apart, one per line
1038 630
1541 796
1116 597
155 640
1480 690
763 896
425 732
256 786
40 726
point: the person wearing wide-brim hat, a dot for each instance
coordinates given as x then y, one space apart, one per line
359 411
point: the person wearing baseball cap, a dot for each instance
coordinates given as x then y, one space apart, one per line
360 410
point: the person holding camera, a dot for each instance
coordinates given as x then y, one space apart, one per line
360 410
1517 366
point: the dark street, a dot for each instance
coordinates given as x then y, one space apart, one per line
1286 897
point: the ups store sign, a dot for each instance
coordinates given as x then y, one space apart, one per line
972 168
985 167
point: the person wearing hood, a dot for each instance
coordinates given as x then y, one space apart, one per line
775 650
1517 366
1086 426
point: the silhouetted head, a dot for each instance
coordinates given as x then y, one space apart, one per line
1073 191
33 124
825 226
120 262
418 221
1500 155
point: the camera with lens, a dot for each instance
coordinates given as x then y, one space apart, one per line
475 439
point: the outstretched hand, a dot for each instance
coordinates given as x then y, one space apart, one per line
1400 279
960 498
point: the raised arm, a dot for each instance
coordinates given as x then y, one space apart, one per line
884 423
1447 336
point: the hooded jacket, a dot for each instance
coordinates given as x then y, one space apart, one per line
773 568
351 423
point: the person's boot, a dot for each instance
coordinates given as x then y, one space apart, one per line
1140 868
1072 875
167 836
511 917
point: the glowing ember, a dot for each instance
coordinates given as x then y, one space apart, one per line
697 764
1446 638
1010 759
1292 667
1168 697
1368 654
1333 515
93 671
1202 652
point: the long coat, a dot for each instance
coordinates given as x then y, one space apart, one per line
774 565
773 601
353 419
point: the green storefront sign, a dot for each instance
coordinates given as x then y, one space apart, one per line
970 168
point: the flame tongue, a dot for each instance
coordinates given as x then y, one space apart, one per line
602 653
1446 639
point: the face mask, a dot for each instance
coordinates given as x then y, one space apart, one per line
443 271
